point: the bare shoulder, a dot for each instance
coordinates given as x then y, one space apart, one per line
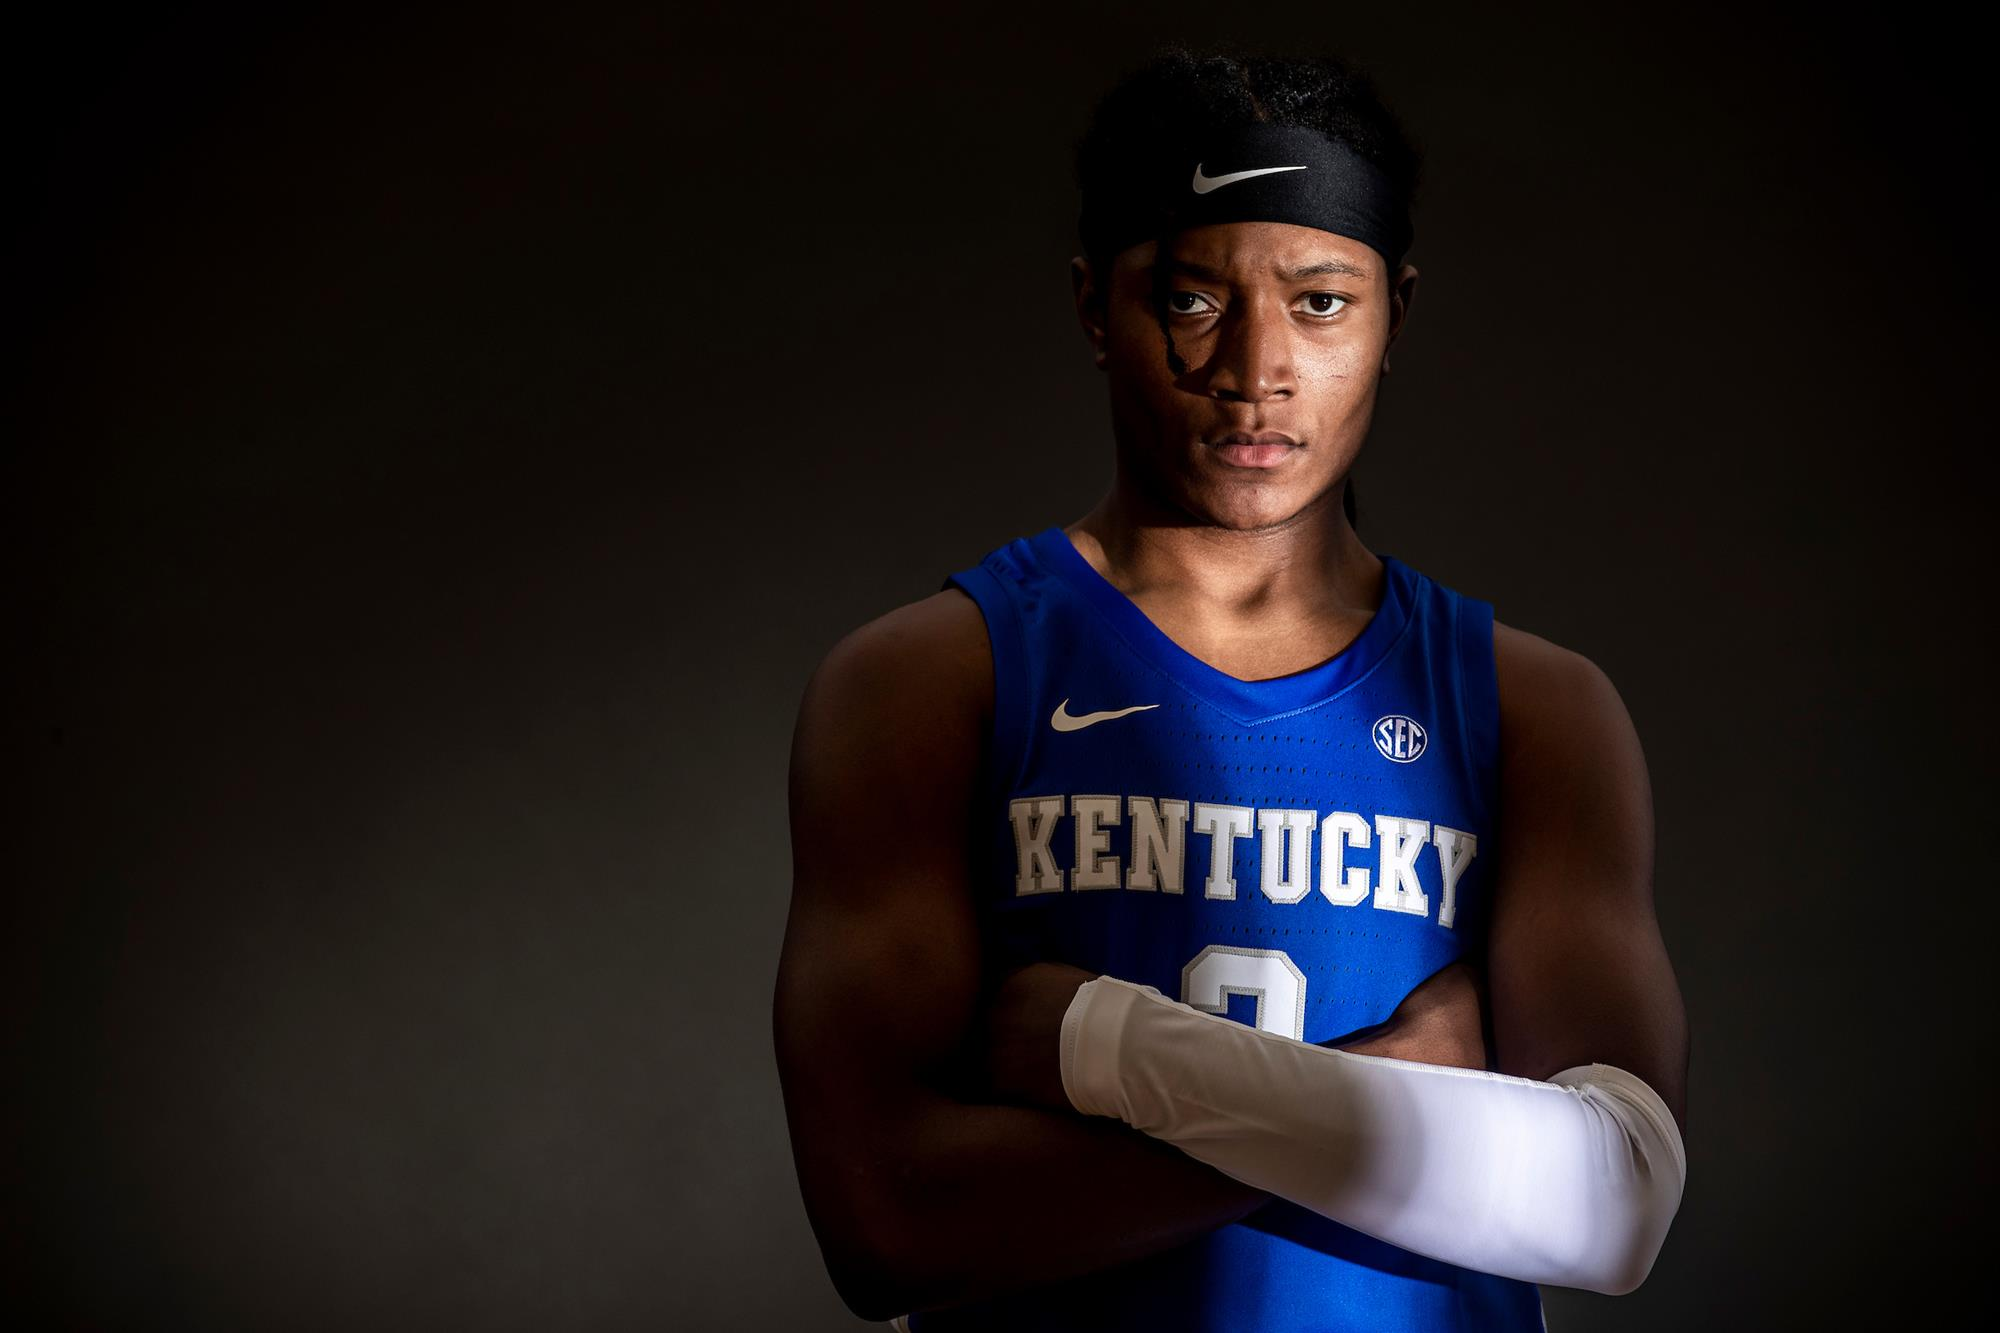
942 631
896 716
889 739
1550 695
925 659
1573 774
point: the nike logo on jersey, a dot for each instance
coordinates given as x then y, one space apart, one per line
1203 184
1062 720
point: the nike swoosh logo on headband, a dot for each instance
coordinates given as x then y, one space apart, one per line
1203 184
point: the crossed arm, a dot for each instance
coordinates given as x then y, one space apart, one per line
898 1066
918 1185
1563 1165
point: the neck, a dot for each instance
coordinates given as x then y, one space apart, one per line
1311 568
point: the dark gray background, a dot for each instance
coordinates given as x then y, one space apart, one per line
445 445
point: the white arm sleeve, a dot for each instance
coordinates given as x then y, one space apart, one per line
1572 1182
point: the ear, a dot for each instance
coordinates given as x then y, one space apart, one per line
1402 294
1090 305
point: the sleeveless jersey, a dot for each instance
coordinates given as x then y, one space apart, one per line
1297 854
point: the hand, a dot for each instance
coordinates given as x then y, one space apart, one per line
1021 1059
1441 1022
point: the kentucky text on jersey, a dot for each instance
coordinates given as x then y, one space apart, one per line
1283 842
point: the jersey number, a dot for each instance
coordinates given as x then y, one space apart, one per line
1223 970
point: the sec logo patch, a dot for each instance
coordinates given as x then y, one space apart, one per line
1400 738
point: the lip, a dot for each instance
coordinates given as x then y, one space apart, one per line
1265 449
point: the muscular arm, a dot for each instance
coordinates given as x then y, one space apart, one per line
1564 1164
920 1197
1578 970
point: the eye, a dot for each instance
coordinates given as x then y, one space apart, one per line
1318 300
1174 306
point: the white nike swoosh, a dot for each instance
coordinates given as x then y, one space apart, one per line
1203 184
1061 719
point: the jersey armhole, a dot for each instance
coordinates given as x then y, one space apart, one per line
1008 643
1479 699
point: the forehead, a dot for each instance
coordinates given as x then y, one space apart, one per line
1252 252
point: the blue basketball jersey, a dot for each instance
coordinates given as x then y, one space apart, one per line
1298 854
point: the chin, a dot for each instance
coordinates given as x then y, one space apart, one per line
1239 499
1239 511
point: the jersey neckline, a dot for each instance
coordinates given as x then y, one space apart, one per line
1245 701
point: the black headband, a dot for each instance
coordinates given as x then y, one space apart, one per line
1256 172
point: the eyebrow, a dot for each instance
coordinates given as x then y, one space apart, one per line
1338 267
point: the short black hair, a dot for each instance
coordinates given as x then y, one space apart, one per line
1180 92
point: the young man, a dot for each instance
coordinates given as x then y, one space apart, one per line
1201 920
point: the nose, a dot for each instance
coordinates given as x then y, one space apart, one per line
1252 359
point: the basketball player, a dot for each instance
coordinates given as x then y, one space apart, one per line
1202 920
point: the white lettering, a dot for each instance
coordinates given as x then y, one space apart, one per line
1224 824
1159 842
1397 888
1287 838
1094 870
1034 821
1456 848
